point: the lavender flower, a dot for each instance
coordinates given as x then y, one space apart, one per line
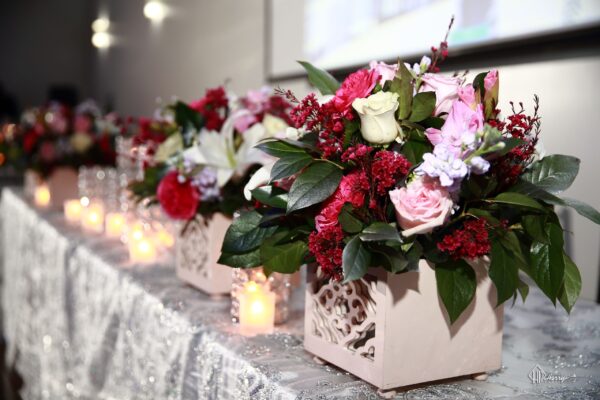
206 181
445 165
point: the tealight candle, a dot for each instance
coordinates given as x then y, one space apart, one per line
73 209
257 309
42 196
142 250
165 238
92 218
115 223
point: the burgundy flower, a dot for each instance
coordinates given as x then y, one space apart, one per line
179 199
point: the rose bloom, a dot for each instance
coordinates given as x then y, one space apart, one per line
386 71
445 88
421 206
178 199
357 85
378 123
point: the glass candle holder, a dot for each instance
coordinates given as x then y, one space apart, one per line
277 283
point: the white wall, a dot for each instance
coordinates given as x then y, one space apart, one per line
208 42
203 44
44 43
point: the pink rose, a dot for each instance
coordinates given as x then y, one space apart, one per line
459 129
357 85
421 206
445 88
386 71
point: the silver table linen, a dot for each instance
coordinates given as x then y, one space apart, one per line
81 322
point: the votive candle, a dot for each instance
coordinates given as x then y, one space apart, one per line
73 209
92 218
142 250
42 196
257 309
115 224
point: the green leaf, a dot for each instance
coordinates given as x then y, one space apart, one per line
547 262
478 84
571 286
245 233
405 91
186 117
314 185
279 148
456 286
392 258
320 79
246 260
485 215
423 105
285 258
349 222
503 272
289 165
523 289
271 196
554 173
509 144
582 209
355 260
380 231
415 146
535 227
517 199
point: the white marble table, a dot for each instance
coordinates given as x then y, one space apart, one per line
83 323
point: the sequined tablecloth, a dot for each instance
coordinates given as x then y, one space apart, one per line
81 322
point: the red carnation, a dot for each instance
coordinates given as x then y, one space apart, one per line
470 241
179 199
357 85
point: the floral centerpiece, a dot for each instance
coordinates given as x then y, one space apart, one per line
51 142
198 171
57 136
396 165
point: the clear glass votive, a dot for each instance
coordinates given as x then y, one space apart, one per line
278 283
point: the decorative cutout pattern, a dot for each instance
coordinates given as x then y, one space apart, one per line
345 314
193 248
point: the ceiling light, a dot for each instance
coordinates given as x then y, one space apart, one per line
155 10
100 25
101 40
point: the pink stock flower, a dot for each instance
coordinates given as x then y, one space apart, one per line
445 88
421 206
387 72
459 129
357 85
243 121
467 95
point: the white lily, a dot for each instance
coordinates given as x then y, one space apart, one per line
260 178
217 150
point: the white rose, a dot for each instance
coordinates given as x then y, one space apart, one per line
377 119
273 125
